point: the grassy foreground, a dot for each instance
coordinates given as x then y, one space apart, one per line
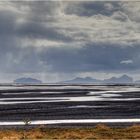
99 132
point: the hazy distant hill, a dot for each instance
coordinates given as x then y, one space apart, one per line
83 80
24 80
112 80
122 79
138 81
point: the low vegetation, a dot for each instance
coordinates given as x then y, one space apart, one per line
99 132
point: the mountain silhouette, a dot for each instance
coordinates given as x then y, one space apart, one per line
117 80
28 80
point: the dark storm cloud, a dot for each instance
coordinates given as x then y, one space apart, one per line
7 38
91 8
38 21
73 24
93 57
40 31
20 60
14 58
28 61
43 7
37 7
7 21
39 11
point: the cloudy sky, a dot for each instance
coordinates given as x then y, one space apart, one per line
57 40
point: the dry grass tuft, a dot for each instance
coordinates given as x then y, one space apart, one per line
99 132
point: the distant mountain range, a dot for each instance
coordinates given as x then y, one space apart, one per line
138 81
24 80
113 80
124 79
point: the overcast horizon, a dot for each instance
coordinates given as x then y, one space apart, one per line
61 40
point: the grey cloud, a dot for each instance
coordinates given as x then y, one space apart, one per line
40 31
39 10
20 60
7 23
132 9
41 20
38 20
92 57
27 60
120 16
7 34
44 7
39 7
91 8
14 58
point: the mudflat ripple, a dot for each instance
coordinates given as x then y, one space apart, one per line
69 102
